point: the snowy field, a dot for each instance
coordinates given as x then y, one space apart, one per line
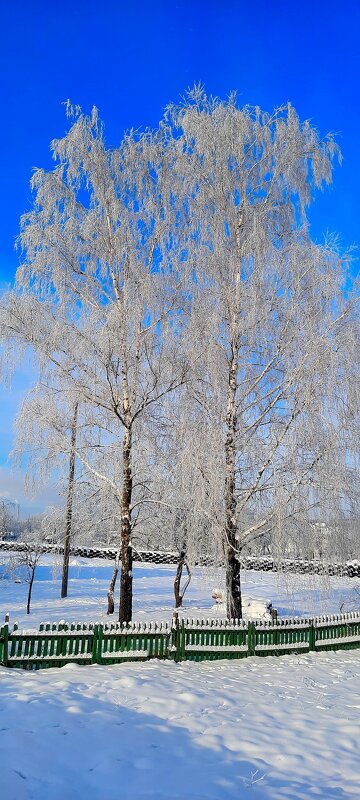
270 729
266 729
292 595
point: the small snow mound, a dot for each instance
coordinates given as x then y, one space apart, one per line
253 608
218 595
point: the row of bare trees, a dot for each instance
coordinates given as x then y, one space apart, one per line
195 349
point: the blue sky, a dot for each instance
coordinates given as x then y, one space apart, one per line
131 59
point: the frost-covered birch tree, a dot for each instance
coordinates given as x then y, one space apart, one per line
186 520
46 444
180 264
272 308
98 293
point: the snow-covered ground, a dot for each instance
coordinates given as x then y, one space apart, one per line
292 595
269 729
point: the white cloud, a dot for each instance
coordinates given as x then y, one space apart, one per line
12 487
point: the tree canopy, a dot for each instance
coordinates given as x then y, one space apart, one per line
169 289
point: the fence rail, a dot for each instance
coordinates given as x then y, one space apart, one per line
55 645
349 569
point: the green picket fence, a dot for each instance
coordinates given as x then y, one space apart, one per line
55 645
59 644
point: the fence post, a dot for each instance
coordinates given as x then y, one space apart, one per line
4 644
251 638
312 635
95 645
99 643
176 636
183 641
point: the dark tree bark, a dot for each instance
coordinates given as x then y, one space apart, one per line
69 507
233 583
32 578
125 607
110 594
179 595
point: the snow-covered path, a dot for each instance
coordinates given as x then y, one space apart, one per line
269 729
